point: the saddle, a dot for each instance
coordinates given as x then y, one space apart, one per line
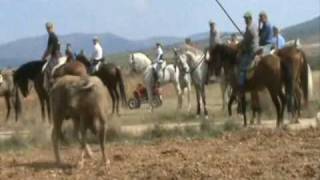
252 67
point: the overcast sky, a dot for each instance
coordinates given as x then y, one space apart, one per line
137 19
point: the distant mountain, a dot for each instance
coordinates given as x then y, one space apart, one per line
17 52
308 32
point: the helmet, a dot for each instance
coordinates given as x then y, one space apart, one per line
247 15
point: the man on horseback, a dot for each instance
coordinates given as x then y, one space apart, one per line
51 54
69 53
160 62
248 47
97 56
278 41
214 34
265 33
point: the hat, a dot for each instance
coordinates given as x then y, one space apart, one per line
158 44
211 21
247 15
49 25
263 13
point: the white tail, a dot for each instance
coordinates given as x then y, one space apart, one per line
310 82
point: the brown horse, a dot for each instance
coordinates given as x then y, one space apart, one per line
295 67
267 74
74 68
111 76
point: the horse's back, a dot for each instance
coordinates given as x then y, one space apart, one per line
29 70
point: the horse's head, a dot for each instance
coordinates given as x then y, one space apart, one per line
181 61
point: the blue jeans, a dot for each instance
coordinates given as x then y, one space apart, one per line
245 61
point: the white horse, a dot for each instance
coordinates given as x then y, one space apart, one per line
198 69
141 64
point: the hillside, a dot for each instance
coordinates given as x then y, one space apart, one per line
308 32
16 52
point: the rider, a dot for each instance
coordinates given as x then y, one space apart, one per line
249 45
97 56
51 54
278 41
265 32
69 53
214 34
160 62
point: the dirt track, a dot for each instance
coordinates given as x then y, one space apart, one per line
248 154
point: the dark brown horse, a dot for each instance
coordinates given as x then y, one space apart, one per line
32 72
111 76
267 74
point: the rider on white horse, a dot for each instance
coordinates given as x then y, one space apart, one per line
97 55
160 62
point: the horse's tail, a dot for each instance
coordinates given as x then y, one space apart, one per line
17 102
121 87
304 76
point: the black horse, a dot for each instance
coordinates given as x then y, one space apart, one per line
32 72
111 77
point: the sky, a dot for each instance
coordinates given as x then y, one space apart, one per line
139 19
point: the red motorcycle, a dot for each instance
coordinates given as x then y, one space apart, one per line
140 96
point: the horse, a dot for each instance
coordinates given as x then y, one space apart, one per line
267 74
111 76
10 93
139 62
32 71
194 63
297 78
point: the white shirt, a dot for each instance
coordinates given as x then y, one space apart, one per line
98 52
159 53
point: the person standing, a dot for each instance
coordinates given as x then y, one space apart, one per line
160 62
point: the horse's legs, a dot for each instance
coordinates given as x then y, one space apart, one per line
55 136
204 103
150 96
244 108
8 104
117 100
223 89
275 99
231 100
102 132
112 98
198 101
179 94
283 104
189 96
256 109
83 142
47 103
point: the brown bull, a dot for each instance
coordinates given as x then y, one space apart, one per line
83 99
